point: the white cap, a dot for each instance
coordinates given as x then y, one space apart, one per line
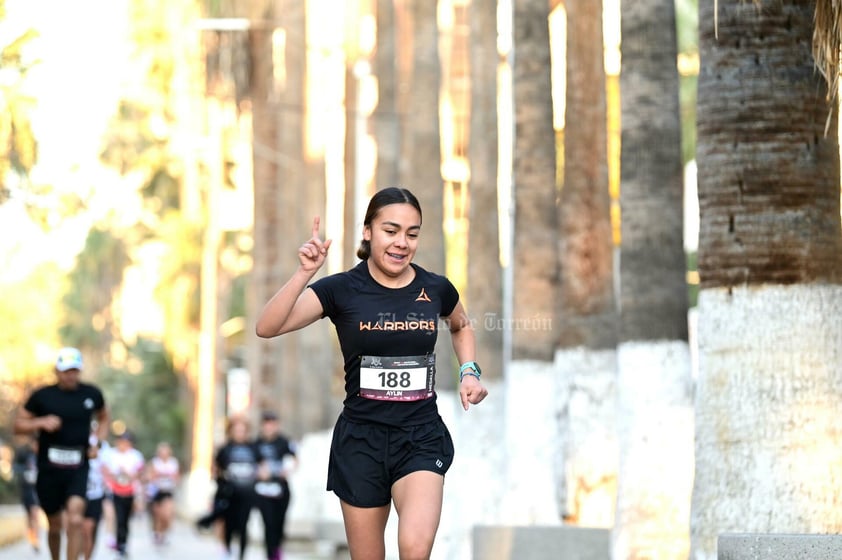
69 358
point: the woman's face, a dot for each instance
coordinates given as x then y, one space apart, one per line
393 235
239 431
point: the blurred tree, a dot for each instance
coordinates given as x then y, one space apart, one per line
769 389
654 383
89 321
147 397
19 151
687 36
587 316
292 372
420 138
29 341
484 295
535 254
386 122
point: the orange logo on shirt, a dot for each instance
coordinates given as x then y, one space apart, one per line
423 296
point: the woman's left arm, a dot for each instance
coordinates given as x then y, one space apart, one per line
471 390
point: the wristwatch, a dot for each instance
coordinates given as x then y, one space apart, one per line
469 368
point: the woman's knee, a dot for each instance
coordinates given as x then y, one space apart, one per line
415 547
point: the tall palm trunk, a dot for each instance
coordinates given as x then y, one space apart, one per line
768 429
535 252
654 381
587 334
420 141
484 296
386 123
420 169
291 369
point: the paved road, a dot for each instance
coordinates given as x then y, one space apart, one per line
185 544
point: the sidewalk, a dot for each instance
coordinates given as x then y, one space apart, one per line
185 544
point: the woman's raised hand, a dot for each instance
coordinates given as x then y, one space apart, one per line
313 252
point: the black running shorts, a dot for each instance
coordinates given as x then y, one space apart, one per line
367 459
55 486
93 510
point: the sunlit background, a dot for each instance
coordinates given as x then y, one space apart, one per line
161 166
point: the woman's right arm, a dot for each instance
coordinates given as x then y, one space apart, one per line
294 306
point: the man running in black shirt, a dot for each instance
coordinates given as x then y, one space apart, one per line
61 415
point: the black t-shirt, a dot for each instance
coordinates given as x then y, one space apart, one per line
373 320
273 452
237 464
75 408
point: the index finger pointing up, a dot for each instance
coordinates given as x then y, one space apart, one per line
316 222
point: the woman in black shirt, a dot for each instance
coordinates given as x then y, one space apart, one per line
389 444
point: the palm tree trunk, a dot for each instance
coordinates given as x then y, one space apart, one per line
485 275
420 161
770 365
386 116
654 380
587 333
293 370
535 254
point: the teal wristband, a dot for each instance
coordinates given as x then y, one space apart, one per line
469 368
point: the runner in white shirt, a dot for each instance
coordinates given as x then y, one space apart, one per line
123 468
162 475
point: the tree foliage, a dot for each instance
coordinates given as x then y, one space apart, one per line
89 320
145 394
19 148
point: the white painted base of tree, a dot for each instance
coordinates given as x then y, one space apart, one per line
586 461
768 413
655 431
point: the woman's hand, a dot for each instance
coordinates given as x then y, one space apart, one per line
313 252
471 391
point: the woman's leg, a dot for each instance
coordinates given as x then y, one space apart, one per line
244 512
89 538
165 514
418 502
365 528
33 513
266 507
283 506
123 511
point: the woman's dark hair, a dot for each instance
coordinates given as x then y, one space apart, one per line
384 197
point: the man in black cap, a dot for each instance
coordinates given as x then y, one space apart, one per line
61 415
276 458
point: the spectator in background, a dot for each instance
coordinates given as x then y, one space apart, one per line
123 468
276 459
25 467
162 476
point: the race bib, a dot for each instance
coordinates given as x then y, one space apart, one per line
240 472
397 378
64 457
165 483
269 489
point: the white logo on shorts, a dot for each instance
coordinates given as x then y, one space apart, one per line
439 464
